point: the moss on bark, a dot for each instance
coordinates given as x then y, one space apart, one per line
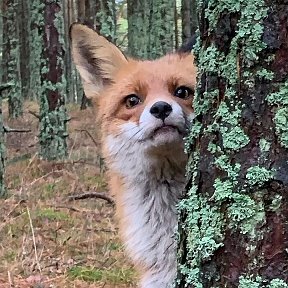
232 231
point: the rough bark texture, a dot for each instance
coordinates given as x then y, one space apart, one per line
3 190
189 19
4 48
35 47
23 27
151 28
15 99
138 27
53 116
234 220
106 18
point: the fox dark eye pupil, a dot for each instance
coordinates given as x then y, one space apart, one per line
132 100
183 92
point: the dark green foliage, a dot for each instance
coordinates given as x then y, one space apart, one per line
233 222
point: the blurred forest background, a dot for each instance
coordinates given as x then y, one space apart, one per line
49 153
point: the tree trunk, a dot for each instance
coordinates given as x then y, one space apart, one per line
189 19
15 99
151 28
35 47
234 219
53 116
138 27
106 19
4 49
23 28
3 191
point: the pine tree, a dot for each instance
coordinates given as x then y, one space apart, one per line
11 57
23 28
233 222
151 28
189 19
3 191
53 115
36 8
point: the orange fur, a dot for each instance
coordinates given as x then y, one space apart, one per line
146 174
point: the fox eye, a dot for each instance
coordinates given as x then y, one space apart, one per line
132 100
183 92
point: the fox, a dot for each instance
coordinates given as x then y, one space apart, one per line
144 109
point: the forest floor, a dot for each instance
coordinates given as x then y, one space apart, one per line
45 239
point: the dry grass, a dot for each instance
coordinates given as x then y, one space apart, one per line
45 240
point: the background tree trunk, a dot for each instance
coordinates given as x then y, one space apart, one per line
234 220
5 49
36 31
138 27
23 28
53 117
189 19
15 99
3 190
149 35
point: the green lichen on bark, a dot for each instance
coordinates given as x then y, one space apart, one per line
106 17
53 114
258 282
53 131
161 30
15 97
138 28
150 28
276 99
230 70
36 22
3 191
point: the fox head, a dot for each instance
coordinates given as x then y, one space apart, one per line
144 104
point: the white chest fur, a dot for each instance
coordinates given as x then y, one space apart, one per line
153 184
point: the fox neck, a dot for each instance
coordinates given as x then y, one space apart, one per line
152 183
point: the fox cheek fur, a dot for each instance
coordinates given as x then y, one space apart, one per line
144 108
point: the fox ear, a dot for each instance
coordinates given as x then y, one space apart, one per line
96 59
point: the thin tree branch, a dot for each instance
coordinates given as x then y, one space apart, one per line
89 134
88 195
12 130
34 114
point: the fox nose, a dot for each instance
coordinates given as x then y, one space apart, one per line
161 110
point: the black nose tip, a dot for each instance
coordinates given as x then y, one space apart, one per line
161 110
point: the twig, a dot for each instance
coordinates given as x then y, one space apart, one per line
88 195
89 134
10 130
34 240
34 114
66 207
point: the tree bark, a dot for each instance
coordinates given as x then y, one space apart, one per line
189 19
35 48
3 190
23 29
151 28
15 99
53 116
234 218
